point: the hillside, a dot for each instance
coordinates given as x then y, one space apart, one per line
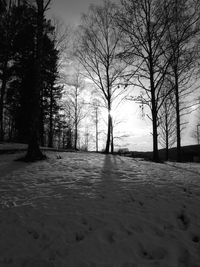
189 153
96 210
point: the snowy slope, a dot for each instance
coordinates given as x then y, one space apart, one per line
93 210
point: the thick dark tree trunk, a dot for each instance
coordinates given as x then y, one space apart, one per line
166 153
34 152
154 120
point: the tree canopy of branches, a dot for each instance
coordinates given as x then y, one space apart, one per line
181 34
74 104
144 24
167 124
154 39
97 50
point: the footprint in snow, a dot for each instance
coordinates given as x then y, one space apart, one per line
84 221
196 238
183 221
129 232
187 191
141 203
157 253
79 236
33 233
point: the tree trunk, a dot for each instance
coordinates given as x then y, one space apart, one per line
76 119
112 137
69 138
96 122
50 141
75 135
42 143
34 152
178 125
155 137
154 119
167 137
63 139
2 95
108 133
153 100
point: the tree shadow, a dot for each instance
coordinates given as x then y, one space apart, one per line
109 166
184 169
110 177
9 164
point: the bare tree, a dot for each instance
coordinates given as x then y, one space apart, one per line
75 87
167 124
195 131
144 24
181 35
97 49
95 114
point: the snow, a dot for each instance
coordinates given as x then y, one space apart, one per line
12 146
95 210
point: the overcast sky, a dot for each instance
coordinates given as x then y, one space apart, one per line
70 10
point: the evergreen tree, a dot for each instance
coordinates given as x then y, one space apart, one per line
20 89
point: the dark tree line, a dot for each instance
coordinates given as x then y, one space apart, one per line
29 95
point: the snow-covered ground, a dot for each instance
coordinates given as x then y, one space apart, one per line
12 146
94 210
